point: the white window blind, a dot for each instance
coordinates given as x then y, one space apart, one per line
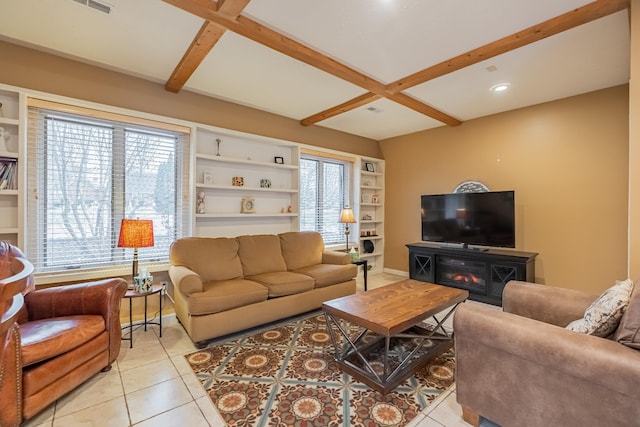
87 173
324 191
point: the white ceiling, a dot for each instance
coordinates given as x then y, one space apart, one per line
383 39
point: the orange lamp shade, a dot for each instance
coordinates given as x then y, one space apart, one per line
136 233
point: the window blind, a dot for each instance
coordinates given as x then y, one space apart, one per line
324 191
86 173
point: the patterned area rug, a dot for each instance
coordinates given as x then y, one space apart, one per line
285 375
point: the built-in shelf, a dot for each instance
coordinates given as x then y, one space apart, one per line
8 155
243 215
245 162
9 121
245 188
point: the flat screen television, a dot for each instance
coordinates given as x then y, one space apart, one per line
482 219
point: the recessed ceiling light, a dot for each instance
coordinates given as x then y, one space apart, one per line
500 87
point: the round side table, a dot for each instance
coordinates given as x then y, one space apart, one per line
130 295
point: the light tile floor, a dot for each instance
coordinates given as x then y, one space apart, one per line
152 385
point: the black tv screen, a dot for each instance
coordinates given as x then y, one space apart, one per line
483 219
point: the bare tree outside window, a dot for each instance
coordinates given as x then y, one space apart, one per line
91 174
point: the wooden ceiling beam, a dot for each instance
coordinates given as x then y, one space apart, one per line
337 110
260 34
202 44
572 19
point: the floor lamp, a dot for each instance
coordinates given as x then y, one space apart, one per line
136 233
346 217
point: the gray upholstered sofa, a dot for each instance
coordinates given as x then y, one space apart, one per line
522 368
225 285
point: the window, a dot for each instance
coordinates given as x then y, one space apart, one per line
324 191
87 173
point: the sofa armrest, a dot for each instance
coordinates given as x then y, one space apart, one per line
184 280
557 306
518 371
335 257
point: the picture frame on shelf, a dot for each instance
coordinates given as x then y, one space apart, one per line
365 198
248 205
207 176
375 199
279 160
369 167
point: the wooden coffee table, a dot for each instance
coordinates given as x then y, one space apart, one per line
376 334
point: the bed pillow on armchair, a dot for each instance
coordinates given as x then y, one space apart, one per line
602 317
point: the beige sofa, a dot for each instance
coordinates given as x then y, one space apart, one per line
522 368
224 285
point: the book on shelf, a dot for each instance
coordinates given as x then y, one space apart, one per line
8 173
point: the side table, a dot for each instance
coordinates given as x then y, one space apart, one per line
130 295
364 264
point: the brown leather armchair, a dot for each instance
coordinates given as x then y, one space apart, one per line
67 334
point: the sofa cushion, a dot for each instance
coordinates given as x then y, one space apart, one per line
47 338
301 249
628 332
260 254
212 258
329 274
602 317
281 283
224 295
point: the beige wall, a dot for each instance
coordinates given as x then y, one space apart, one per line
634 143
568 164
28 68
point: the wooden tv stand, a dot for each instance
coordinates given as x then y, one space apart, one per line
482 272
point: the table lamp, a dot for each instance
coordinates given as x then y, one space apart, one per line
346 217
136 233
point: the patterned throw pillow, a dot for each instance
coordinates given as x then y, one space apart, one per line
601 318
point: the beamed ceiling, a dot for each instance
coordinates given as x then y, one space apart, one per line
375 68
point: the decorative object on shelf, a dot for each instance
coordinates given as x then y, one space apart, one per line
369 247
237 181
207 176
375 199
218 141
4 138
366 184
289 208
1 113
471 187
369 167
279 160
346 217
365 198
366 217
136 233
265 183
200 202
248 205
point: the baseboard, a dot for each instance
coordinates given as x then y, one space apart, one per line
396 272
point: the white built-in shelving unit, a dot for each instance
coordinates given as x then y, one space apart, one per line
252 158
371 212
10 201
